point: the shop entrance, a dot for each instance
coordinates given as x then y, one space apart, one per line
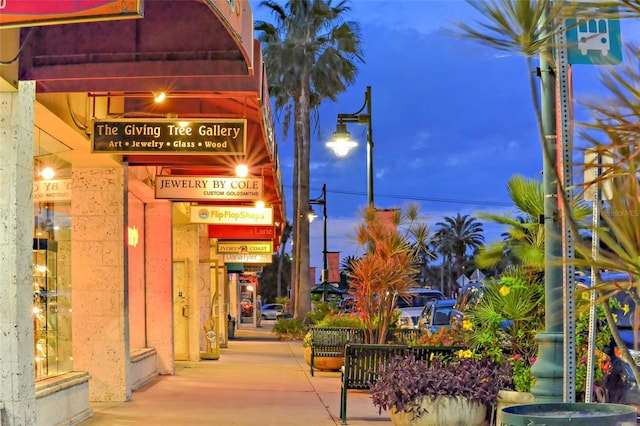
181 309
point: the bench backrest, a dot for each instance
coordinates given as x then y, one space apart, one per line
403 336
362 363
335 336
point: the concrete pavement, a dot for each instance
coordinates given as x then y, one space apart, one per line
258 380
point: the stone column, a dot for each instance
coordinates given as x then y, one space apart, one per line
17 375
100 297
159 296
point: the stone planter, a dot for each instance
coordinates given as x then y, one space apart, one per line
323 362
507 398
443 411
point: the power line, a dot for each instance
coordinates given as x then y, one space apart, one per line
427 199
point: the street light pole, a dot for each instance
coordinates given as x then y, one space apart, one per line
342 142
322 200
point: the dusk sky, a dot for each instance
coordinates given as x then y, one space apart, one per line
452 121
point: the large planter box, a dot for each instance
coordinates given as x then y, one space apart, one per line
508 398
443 411
325 363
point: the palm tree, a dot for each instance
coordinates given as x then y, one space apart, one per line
524 238
463 233
617 120
286 234
528 27
443 244
310 54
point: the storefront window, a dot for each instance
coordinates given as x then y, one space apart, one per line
51 259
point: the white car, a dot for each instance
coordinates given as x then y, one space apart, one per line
270 311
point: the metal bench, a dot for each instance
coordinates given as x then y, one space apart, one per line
362 363
331 341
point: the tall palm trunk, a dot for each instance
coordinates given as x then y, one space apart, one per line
286 234
304 296
295 265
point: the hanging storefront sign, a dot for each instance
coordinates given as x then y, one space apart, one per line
248 258
48 190
243 232
20 13
194 188
253 269
213 136
231 215
244 247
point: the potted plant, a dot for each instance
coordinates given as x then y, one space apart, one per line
330 320
440 393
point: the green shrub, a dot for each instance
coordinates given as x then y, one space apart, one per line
289 329
340 320
321 310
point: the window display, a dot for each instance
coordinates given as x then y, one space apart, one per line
51 257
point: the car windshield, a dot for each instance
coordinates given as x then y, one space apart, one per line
442 315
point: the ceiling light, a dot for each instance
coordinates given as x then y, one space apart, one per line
159 97
47 173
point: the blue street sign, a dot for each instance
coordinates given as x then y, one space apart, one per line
593 40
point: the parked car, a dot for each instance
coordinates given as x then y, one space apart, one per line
412 302
435 315
347 305
270 311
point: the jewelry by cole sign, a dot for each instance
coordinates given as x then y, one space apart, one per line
213 136
208 188
227 215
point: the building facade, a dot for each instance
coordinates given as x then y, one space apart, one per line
123 218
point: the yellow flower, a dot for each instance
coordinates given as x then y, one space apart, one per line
504 290
467 324
615 317
625 308
465 353
432 356
586 295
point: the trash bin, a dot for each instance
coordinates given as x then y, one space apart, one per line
232 328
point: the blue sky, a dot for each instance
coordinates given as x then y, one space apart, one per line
452 121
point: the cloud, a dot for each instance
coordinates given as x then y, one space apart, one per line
420 141
380 172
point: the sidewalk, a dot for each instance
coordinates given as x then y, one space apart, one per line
258 380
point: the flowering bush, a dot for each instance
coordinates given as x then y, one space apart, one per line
456 335
505 323
521 378
602 361
405 381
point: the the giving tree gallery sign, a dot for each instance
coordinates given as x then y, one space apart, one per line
212 136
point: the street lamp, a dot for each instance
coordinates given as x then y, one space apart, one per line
322 200
342 142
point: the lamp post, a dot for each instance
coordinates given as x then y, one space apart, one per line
322 200
342 142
